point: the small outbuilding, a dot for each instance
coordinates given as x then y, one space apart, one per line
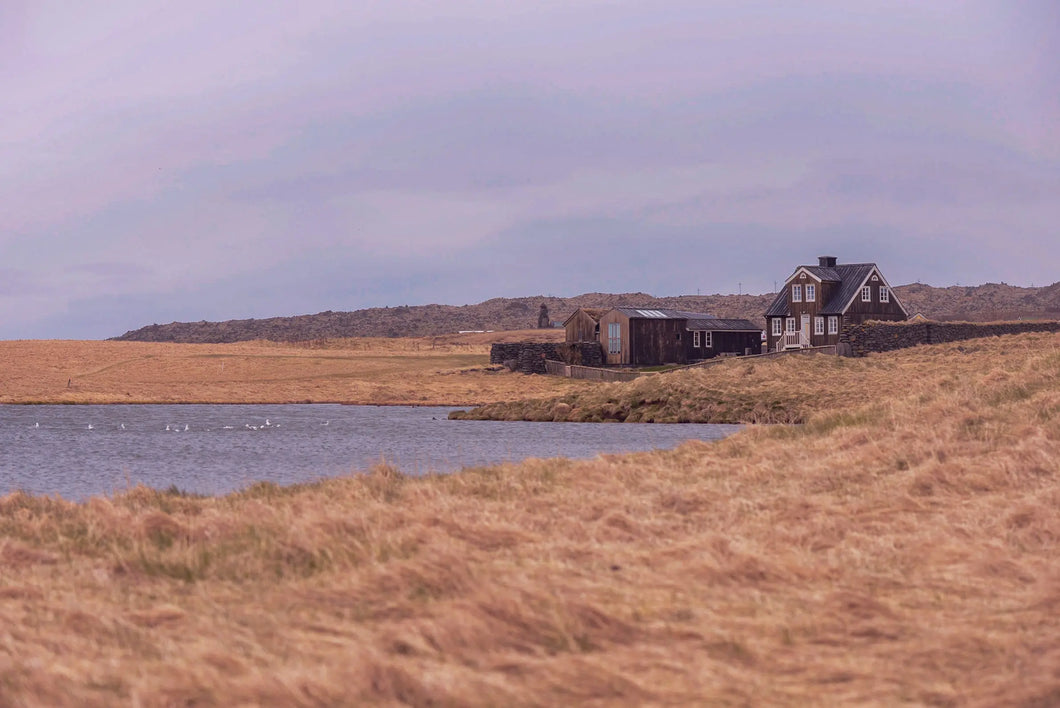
646 336
583 325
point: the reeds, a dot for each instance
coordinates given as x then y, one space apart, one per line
898 548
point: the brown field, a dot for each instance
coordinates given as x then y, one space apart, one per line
899 548
444 370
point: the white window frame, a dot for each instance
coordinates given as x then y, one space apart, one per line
614 337
778 326
708 340
866 293
885 294
833 325
696 342
818 325
811 292
791 325
796 293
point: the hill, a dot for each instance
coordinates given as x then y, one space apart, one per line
982 303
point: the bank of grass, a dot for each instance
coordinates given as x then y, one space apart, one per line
898 548
785 390
449 370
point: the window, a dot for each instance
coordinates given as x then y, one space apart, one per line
866 294
778 326
708 340
833 325
885 294
796 293
818 325
614 338
791 324
811 292
696 340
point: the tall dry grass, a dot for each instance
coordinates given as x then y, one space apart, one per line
899 548
450 370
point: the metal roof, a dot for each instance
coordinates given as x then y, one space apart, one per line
717 324
659 313
851 277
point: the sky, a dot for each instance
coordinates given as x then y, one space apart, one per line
206 160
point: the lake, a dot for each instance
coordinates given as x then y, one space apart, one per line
84 450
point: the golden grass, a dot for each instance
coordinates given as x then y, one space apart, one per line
450 370
784 390
899 548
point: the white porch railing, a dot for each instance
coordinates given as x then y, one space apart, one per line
792 340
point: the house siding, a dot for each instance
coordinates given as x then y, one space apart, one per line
861 311
622 356
655 342
581 327
724 343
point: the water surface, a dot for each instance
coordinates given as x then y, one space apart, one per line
80 451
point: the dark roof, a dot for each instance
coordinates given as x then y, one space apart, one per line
850 276
661 313
779 308
717 324
830 274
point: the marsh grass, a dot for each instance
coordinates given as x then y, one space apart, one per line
452 370
899 547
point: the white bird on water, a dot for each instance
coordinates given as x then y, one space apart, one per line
326 422
185 427
36 425
90 427
123 426
167 427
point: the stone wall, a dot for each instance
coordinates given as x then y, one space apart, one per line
529 357
885 336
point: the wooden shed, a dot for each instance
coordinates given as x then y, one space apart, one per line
584 325
645 336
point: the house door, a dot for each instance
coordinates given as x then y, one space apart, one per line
805 330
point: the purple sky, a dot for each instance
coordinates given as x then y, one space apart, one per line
187 160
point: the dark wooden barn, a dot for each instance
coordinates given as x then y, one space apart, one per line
645 336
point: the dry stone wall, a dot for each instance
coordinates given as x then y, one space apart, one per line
529 357
858 340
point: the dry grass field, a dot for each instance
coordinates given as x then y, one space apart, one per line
899 548
444 370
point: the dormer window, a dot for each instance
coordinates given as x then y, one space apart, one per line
796 293
811 292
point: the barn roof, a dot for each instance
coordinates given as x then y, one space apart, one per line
661 313
717 324
850 276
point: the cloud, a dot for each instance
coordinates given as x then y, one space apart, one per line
193 161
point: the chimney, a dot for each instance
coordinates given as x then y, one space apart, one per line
826 261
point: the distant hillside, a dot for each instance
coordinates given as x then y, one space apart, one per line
977 304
